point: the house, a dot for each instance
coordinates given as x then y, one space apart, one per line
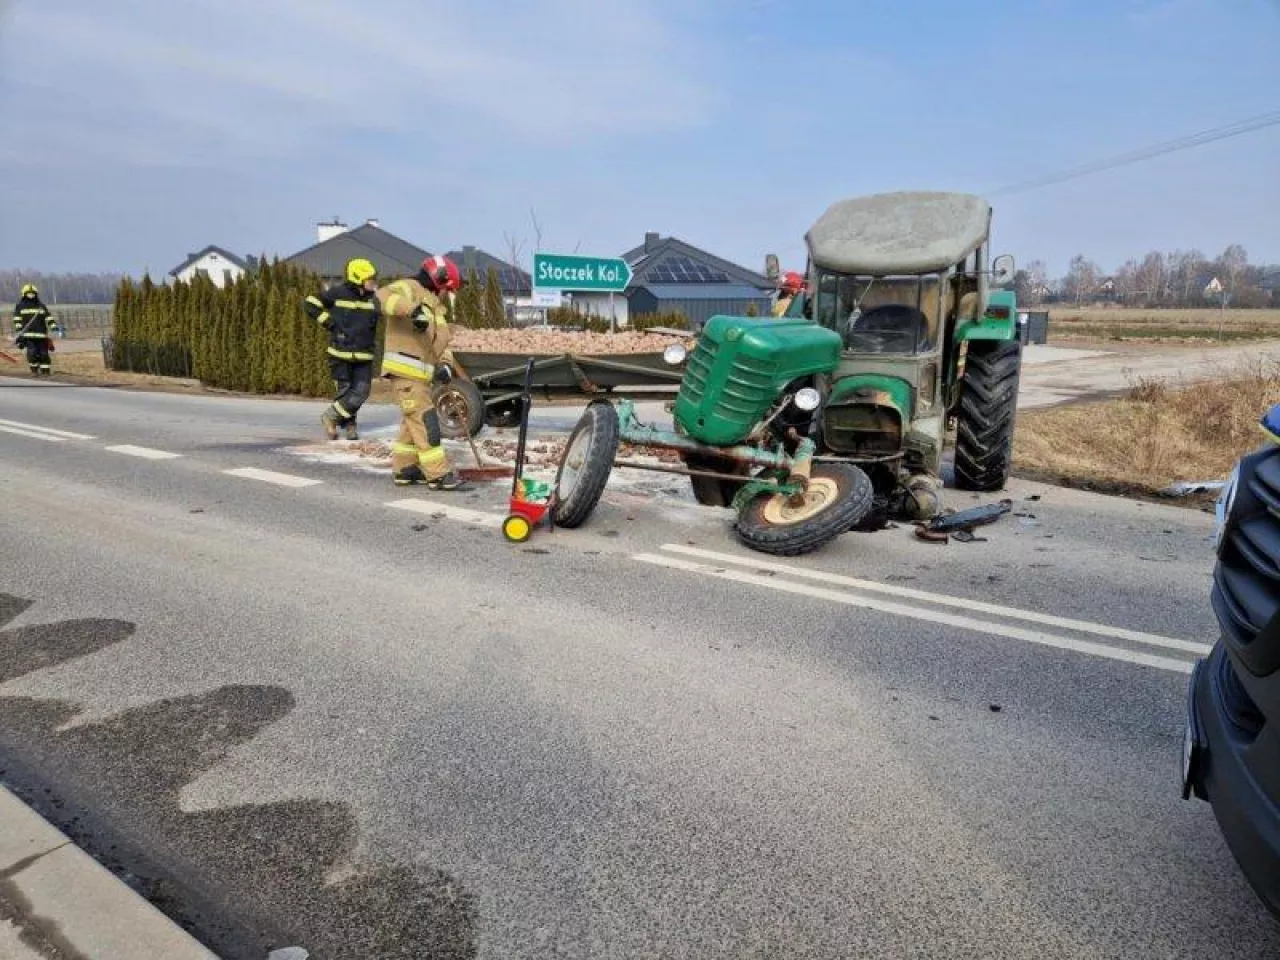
337 244
669 275
515 283
219 265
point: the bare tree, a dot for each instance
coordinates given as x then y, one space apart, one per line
1081 280
1231 266
1038 281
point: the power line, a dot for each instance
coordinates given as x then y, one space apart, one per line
1239 128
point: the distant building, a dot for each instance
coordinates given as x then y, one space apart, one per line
336 244
515 283
219 265
671 276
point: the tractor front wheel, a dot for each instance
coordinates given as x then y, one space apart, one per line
988 408
838 497
586 465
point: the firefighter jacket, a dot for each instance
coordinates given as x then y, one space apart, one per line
412 350
32 320
351 315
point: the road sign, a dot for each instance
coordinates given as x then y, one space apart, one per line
547 298
554 271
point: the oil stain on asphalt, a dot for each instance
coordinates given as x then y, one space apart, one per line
244 880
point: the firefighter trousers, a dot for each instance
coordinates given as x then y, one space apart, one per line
419 441
352 381
38 355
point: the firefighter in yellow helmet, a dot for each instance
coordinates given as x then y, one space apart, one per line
33 330
415 356
349 311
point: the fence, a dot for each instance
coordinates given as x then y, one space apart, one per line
83 320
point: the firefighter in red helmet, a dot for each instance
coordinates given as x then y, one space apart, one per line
415 357
791 287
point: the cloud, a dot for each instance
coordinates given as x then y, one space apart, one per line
268 79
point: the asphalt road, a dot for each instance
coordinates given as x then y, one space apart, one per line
352 718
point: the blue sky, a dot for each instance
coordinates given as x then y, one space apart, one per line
139 130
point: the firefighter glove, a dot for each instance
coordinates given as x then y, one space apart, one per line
443 373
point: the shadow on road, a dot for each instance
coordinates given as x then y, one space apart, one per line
244 880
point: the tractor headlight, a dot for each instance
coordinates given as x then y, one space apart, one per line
1222 509
807 399
675 354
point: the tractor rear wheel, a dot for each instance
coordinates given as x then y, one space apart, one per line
586 465
712 491
988 408
838 497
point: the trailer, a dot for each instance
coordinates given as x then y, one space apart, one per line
488 387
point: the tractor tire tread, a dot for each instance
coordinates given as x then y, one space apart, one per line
986 415
601 419
801 538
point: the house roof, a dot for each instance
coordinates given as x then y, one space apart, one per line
670 261
703 291
391 255
193 258
513 280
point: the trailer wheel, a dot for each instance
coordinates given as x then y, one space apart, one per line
988 408
586 464
712 491
460 406
838 498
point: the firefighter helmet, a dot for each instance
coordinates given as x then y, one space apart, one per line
792 282
29 290
360 271
443 273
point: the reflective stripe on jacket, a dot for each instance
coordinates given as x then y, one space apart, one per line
351 315
32 320
412 353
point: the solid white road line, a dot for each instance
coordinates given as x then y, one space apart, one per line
942 600
270 476
482 518
920 613
144 452
67 434
31 433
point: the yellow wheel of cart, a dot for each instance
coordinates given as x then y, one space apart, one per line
516 528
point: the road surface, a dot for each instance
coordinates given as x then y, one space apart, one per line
297 706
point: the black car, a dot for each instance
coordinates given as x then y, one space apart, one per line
1231 753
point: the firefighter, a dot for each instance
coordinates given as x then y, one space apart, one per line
416 356
792 286
349 311
33 330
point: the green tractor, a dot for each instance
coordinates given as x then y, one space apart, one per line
835 415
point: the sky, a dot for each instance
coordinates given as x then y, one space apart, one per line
140 130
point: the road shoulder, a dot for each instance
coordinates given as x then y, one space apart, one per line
59 897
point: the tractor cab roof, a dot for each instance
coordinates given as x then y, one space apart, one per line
899 233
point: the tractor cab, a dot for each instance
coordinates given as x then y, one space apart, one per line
903 279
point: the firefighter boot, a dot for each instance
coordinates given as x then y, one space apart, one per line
450 481
330 424
409 475
351 432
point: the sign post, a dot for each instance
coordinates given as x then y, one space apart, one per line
555 273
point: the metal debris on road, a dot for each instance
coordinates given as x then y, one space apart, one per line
289 953
1188 488
959 526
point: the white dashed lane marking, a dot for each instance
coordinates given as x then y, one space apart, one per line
146 453
270 476
45 433
482 518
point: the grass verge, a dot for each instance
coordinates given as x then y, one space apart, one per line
1132 323
1153 436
